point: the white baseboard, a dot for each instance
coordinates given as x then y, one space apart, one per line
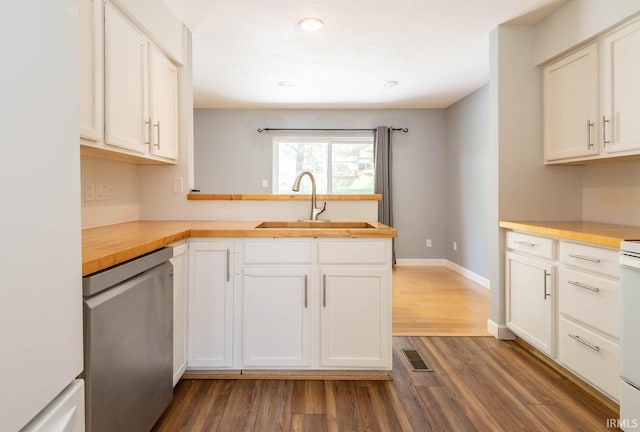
500 332
410 262
420 262
481 280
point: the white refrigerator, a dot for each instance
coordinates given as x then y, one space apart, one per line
40 226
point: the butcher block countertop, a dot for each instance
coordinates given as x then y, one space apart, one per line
588 232
106 246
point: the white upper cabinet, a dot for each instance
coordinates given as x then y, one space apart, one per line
621 90
591 102
128 89
571 106
90 72
127 122
163 77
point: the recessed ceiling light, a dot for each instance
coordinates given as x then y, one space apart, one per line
390 83
286 83
310 24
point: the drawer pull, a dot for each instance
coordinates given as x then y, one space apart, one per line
589 127
228 265
584 342
305 292
604 131
587 287
546 294
585 258
324 291
524 243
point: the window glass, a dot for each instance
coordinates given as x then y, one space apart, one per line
340 165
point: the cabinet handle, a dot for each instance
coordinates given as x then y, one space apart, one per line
546 294
524 243
585 258
584 342
228 267
305 291
324 291
589 127
604 130
158 134
148 125
580 285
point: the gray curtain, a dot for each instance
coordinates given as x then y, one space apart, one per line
382 156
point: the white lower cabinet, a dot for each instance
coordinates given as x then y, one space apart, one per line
586 292
589 309
211 305
530 293
590 355
276 317
179 262
355 318
293 304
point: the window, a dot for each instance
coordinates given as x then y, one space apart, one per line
340 165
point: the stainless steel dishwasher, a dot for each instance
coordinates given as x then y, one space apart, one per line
128 343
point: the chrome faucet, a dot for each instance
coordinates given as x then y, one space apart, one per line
315 211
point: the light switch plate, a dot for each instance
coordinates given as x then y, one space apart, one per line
177 185
89 191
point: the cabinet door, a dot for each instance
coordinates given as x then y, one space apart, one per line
275 317
179 262
126 98
163 84
621 90
210 331
530 294
571 106
90 69
355 318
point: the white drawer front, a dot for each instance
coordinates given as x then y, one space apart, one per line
277 251
593 357
530 244
354 251
591 299
591 258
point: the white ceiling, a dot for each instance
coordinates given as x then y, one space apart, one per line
438 50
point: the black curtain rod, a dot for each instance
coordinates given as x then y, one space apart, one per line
295 129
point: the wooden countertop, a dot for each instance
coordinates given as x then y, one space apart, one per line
589 232
282 197
106 246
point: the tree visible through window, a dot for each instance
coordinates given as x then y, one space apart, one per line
340 165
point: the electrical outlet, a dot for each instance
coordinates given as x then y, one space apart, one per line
455 245
89 191
428 243
265 183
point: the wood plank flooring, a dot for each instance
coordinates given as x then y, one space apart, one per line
436 301
478 384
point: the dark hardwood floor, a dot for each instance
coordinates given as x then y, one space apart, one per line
478 384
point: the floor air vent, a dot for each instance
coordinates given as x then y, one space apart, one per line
417 364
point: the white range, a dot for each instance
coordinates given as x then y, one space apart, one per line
630 336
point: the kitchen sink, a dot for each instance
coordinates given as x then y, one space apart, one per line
315 224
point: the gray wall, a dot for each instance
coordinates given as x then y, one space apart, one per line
467 179
521 187
232 157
